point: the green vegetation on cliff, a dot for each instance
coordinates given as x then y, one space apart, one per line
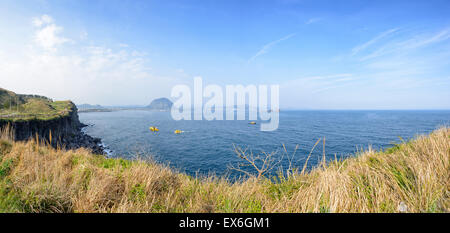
411 177
16 107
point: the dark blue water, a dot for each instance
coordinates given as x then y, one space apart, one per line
207 146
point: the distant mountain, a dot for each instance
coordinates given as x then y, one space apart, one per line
89 106
161 104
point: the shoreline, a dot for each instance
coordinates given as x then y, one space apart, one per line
84 140
93 143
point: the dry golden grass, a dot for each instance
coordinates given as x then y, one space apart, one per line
411 177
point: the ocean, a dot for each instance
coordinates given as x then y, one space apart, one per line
207 147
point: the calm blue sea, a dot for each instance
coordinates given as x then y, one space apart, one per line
207 146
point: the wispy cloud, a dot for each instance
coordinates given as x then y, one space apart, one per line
327 77
426 40
403 61
408 45
314 84
362 47
313 20
268 46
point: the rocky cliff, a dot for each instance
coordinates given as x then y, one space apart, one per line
62 131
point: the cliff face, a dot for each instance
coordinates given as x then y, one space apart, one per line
65 131
61 127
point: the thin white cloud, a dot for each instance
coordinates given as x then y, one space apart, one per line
397 69
314 84
313 20
362 47
327 77
426 40
411 44
267 47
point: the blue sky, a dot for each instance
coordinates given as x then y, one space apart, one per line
323 54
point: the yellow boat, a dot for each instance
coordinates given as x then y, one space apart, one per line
178 131
154 129
252 123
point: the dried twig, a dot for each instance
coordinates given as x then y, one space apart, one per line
306 162
262 163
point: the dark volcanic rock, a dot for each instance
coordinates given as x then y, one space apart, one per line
63 131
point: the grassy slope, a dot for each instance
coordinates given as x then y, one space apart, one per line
37 178
15 107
